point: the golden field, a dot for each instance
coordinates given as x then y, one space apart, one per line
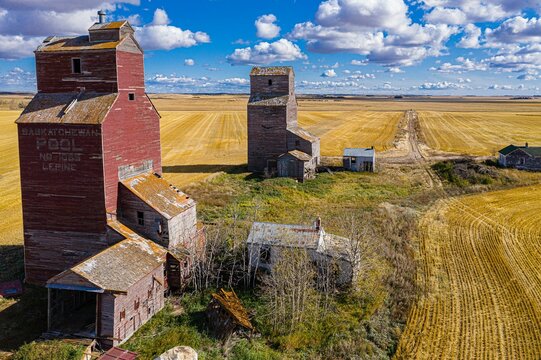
480 279
480 133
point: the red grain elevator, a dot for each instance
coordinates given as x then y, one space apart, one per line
90 125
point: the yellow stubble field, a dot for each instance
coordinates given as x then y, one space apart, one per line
480 279
481 132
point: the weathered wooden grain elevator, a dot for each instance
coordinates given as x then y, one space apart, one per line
102 229
276 144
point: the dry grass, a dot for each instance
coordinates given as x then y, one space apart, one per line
479 272
479 133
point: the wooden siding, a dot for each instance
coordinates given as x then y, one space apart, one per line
521 160
149 292
99 71
131 131
281 85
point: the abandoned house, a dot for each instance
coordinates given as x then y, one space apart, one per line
227 316
102 229
276 144
521 157
266 241
360 159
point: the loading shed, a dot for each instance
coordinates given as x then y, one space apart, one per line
297 164
360 159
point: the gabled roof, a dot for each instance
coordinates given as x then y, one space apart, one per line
361 152
268 100
74 43
67 108
271 70
159 194
230 302
303 134
116 268
534 151
284 235
297 154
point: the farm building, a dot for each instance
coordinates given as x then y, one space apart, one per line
273 130
266 241
103 230
521 157
360 159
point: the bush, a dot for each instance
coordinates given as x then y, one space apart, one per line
49 350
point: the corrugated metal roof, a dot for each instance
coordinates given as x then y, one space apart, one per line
74 43
268 100
90 108
297 154
361 152
284 235
534 151
303 134
230 302
118 267
159 194
271 70
116 353
108 26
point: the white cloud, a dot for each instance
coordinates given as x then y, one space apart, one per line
462 65
470 39
158 35
61 5
446 16
266 53
500 87
359 62
266 27
380 30
441 85
517 30
18 79
235 81
395 70
16 46
361 76
329 73
189 62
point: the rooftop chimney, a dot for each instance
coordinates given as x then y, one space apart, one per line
317 224
101 16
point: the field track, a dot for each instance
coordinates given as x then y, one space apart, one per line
480 279
479 133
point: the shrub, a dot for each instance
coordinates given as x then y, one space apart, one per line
49 350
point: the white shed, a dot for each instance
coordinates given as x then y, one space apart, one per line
360 159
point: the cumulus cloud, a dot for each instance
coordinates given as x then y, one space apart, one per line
380 30
470 39
16 46
359 62
266 27
441 85
174 83
235 81
159 35
266 53
516 30
18 79
462 65
329 73
395 70
189 62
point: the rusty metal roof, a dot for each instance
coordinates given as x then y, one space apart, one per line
116 353
297 154
116 268
284 235
67 108
268 100
159 194
109 25
303 134
230 302
271 70
76 43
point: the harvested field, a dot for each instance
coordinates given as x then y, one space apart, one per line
480 279
479 133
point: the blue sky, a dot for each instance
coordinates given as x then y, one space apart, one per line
436 47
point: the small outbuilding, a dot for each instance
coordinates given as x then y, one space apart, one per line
297 164
226 315
360 159
521 157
